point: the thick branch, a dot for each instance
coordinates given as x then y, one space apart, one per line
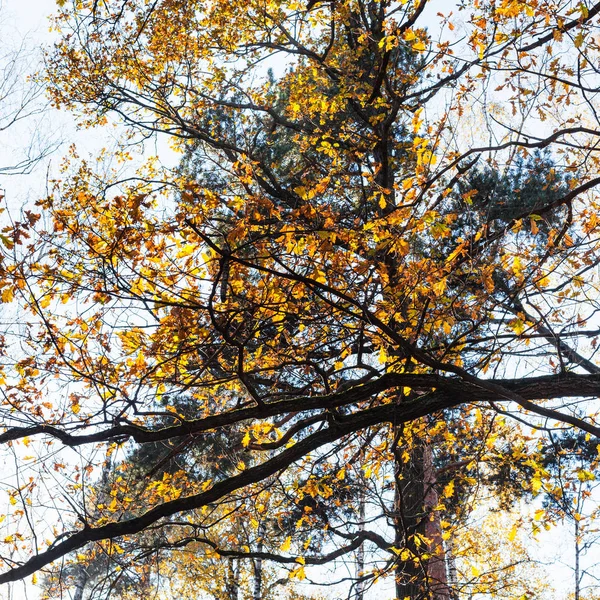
530 388
455 393
398 413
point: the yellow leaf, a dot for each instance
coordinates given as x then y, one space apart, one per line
286 544
298 574
320 276
517 267
539 514
458 250
512 533
449 490
118 548
403 553
584 475
186 250
517 326
475 571
439 287
301 191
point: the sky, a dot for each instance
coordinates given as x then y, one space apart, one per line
24 27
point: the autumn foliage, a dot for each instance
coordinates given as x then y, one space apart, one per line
361 308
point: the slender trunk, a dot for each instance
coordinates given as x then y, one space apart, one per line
256 594
80 582
360 553
577 551
411 575
233 576
452 572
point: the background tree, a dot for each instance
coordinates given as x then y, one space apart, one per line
26 138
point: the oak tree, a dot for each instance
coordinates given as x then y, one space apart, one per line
377 264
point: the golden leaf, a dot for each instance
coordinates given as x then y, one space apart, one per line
286 544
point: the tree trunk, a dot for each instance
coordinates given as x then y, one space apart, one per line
80 582
436 565
360 553
452 573
414 516
408 508
256 593
577 552
233 576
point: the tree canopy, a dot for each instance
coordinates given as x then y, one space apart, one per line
365 298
